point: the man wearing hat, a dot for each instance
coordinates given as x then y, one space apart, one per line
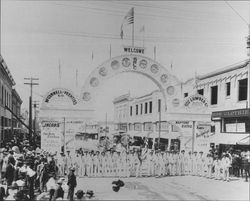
59 192
217 166
194 163
71 183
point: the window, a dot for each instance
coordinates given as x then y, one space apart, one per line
228 88
131 110
136 109
148 126
159 105
212 129
138 127
243 89
185 95
236 125
146 108
200 91
150 106
214 95
141 108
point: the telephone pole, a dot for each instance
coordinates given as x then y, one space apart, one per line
35 105
31 83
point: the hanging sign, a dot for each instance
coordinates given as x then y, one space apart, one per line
130 49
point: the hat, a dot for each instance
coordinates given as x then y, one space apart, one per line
195 151
120 183
14 185
116 188
189 152
79 194
72 169
60 181
90 193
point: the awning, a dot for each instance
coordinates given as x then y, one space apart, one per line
226 138
244 141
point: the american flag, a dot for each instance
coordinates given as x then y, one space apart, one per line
128 19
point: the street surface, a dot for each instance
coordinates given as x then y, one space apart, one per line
167 188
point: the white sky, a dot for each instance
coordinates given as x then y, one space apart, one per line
195 36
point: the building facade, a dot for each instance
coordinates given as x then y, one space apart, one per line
213 111
228 93
16 126
6 84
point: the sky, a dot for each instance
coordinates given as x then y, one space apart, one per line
195 36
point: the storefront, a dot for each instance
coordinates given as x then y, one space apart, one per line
232 127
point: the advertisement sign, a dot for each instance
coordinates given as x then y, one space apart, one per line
203 134
186 128
51 136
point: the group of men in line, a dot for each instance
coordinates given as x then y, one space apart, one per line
145 162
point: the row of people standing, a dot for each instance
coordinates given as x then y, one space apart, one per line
145 163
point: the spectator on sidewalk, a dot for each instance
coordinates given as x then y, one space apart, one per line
71 183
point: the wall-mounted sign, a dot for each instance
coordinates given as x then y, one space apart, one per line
231 113
60 93
196 101
130 49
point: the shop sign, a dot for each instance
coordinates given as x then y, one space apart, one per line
231 113
130 49
61 94
196 101
186 126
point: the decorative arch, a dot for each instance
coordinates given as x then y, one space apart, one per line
145 66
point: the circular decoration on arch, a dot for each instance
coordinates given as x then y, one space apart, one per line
126 62
103 71
175 102
86 96
94 82
164 78
154 69
143 63
115 65
170 90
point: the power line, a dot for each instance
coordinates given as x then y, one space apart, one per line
237 13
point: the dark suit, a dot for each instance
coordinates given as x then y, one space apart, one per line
72 184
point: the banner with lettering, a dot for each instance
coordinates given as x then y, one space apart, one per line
51 136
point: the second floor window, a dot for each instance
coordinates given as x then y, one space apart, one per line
214 95
243 89
146 108
150 106
228 88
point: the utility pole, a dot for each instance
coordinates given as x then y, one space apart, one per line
31 83
35 105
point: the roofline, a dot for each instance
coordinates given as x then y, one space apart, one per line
242 64
17 95
6 70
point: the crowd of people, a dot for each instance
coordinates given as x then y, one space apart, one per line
25 172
